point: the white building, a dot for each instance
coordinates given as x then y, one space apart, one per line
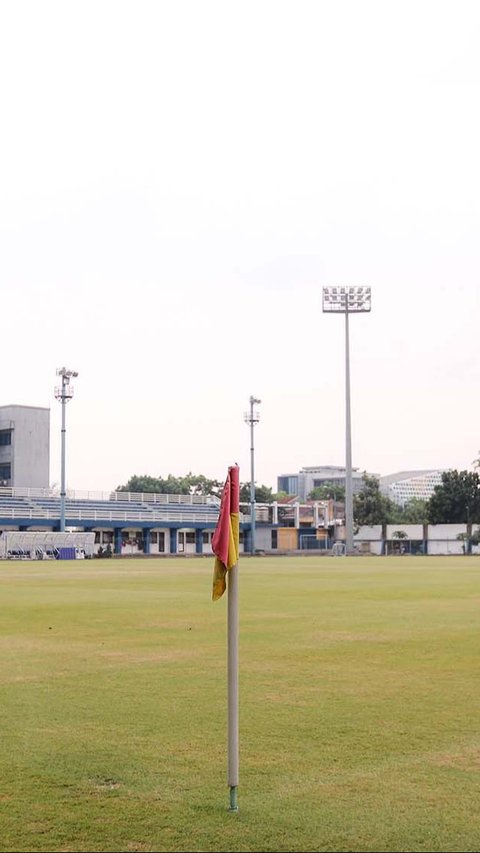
25 446
405 485
309 478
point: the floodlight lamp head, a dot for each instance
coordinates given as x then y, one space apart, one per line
62 371
252 417
343 300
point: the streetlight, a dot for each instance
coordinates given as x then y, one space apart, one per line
252 417
347 300
64 393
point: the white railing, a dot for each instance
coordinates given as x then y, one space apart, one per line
135 497
103 515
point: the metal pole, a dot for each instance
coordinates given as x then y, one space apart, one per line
62 486
63 393
348 449
252 478
347 300
252 418
232 653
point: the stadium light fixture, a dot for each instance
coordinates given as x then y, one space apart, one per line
347 300
252 417
64 393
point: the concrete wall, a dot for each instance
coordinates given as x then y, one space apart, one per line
442 538
263 538
369 534
413 531
369 539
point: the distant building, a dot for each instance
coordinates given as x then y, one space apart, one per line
310 478
25 446
405 485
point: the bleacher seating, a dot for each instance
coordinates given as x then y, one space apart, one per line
91 509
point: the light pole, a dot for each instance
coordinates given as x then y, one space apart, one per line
347 300
63 393
252 417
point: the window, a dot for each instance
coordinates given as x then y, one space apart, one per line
5 437
190 537
274 539
5 471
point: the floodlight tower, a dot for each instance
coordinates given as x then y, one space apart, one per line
347 300
64 393
252 417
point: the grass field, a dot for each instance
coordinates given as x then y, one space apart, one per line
359 706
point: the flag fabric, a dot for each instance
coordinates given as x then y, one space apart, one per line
225 541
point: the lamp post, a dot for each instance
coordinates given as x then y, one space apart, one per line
347 300
63 393
252 417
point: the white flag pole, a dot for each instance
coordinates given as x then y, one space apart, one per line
233 686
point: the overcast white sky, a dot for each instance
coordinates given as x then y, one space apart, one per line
179 180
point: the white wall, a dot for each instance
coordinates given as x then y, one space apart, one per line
370 534
442 538
413 531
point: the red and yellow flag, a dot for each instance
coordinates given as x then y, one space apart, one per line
225 541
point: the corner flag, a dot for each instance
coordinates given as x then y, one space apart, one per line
225 546
225 541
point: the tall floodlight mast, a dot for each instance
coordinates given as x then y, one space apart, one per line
347 300
64 393
252 417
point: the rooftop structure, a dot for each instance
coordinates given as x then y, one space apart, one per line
311 477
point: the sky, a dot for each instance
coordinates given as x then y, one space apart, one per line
180 180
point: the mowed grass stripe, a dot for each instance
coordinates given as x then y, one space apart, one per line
359 706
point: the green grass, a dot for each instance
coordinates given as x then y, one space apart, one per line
359 706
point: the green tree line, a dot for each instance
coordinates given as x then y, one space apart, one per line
455 501
193 484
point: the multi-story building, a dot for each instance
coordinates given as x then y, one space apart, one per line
402 486
310 478
24 446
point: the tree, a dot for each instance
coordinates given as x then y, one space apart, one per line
143 483
475 537
456 500
200 485
415 511
370 506
328 491
263 494
190 484
399 546
193 484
